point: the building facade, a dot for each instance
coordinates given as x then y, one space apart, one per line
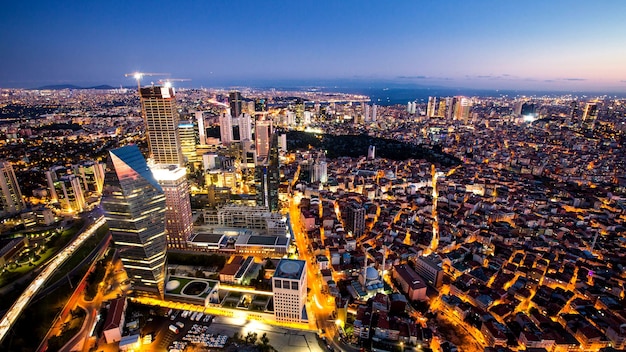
158 105
178 216
289 285
134 207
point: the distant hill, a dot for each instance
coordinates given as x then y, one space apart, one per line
71 86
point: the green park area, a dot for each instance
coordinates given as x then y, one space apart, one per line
33 324
33 256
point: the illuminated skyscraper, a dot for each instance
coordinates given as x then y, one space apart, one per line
134 207
591 111
267 177
235 100
262 135
11 201
158 105
201 129
462 109
178 217
432 107
188 141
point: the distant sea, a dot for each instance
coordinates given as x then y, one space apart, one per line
393 96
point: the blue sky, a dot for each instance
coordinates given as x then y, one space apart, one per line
504 44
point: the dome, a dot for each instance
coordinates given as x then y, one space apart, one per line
172 285
371 273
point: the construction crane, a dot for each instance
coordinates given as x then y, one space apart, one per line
168 81
139 75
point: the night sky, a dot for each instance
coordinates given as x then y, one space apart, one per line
499 44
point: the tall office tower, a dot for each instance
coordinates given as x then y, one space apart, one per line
299 111
591 111
575 111
366 113
262 134
355 219
374 116
431 108
463 107
188 141
450 105
158 105
226 128
91 175
267 177
134 207
235 100
69 193
443 108
11 201
245 127
178 217
201 129
289 285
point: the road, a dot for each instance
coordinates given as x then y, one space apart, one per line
321 304
20 304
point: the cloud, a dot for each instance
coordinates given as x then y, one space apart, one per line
623 81
574 79
413 77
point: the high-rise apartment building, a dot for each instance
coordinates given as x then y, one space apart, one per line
178 216
91 175
11 201
134 207
226 128
355 219
289 285
267 177
158 105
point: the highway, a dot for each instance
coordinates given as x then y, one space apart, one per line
20 304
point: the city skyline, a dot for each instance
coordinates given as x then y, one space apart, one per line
490 45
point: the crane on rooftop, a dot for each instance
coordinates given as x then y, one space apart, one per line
139 75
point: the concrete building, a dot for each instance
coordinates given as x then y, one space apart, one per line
289 285
178 216
158 105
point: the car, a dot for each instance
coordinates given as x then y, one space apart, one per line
180 324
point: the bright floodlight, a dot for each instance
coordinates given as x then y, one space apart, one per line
138 76
168 84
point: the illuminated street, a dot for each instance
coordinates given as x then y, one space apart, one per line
16 309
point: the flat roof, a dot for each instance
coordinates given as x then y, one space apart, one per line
214 238
290 269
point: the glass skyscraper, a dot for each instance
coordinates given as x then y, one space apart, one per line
134 207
